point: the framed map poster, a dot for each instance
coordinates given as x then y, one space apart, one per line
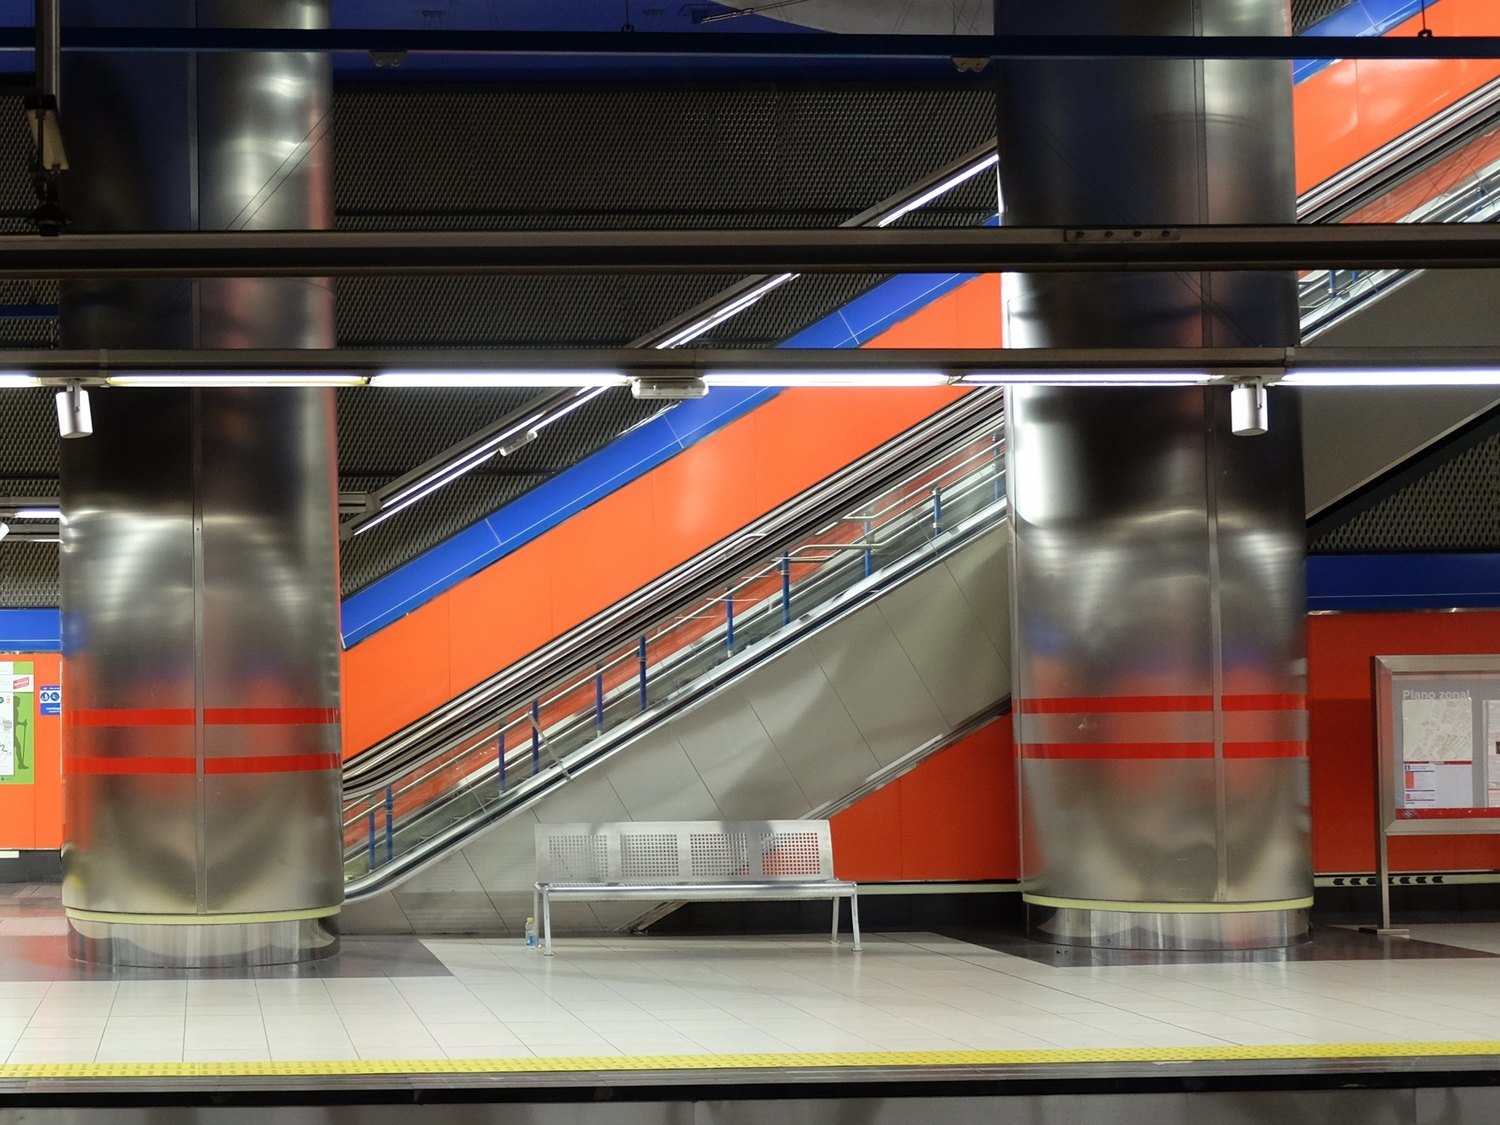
17 723
1438 733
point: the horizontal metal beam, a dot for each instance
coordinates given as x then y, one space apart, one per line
95 365
712 44
891 250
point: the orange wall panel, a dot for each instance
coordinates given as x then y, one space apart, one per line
952 818
31 815
1342 735
1348 110
406 675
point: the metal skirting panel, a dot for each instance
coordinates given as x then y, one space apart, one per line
871 1097
800 731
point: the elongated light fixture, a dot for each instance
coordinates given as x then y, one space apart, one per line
832 378
1395 377
499 379
237 379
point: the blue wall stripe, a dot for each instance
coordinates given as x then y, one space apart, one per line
627 457
1385 582
30 630
1364 18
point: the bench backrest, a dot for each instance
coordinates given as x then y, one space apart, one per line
685 851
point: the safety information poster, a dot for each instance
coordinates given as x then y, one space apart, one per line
17 723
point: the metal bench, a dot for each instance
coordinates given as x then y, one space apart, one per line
690 860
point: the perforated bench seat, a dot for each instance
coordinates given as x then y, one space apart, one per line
775 860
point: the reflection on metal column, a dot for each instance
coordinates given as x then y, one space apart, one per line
1158 600
199 552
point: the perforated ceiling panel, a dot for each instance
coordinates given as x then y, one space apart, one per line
538 158
1456 507
1305 13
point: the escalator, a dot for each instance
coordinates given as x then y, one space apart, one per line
454 796
886 549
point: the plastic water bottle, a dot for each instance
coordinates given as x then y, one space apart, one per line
530 933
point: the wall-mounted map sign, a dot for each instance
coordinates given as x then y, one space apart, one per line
17 723
1438 726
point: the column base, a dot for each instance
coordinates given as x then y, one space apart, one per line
1176 926
190 945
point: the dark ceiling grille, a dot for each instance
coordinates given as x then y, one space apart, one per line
412 158
1455 507
1305 13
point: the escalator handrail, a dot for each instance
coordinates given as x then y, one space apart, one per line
877 471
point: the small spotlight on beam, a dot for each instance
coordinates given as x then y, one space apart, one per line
1247 409
74 418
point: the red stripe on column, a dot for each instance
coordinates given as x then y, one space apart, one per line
1265 750
275 716
212 716
123 766
1265 703
1109 704
130 717
276 763
1115 750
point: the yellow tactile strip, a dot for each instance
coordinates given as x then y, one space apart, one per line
788 1061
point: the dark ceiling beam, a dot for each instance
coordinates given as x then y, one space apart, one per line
707 44
97 364
891 250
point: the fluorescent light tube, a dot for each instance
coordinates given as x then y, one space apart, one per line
499 379
18 379
38 514
1089 378
238 379
916 202
1395 377
833 378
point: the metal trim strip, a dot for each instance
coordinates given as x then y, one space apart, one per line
1168 907
117 918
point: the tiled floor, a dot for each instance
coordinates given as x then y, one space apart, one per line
653 996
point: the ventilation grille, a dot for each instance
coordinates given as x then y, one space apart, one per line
1455 507
1305 13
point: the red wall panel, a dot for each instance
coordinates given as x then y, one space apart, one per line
1348 110
951 818
1342 742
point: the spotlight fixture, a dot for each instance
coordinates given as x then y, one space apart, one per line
1247 409
672 390
74 418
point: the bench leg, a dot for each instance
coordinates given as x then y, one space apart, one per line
854 917
547 924
833 938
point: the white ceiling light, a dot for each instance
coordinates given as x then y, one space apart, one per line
18 379
963 175
1395 377
833 378
238 379
732 307
499 379
38 514
1085 378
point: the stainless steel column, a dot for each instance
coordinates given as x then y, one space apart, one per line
1157 590
199 566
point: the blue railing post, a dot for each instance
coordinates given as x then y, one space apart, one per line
729 621
536 737
599 699
372 840
500 756
643 673
390 823
869 554
786 589
937 507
